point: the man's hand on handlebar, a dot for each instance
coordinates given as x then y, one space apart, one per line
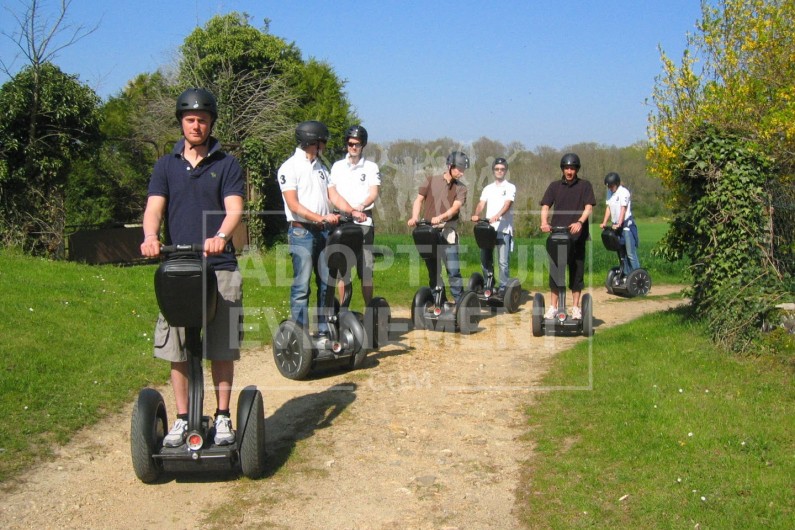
214 246
150 247
412 222
331 219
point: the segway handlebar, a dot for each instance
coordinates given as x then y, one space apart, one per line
192 247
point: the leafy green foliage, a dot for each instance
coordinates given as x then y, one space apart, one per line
739 207
264 89
49 122
722 224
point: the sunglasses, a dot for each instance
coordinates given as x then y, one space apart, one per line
502 169
351 144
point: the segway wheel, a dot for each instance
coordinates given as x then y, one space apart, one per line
538 315
467 313
587 315
377 319
292 350
476 282
638 283
513 293
147 430
423 299
611 279
353 335
251 429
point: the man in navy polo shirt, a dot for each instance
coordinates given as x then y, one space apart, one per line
198 190
573 201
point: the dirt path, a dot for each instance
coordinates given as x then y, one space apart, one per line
425 436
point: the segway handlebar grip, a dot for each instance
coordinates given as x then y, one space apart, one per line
192 247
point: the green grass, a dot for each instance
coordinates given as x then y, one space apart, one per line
77 338
690 435
76 344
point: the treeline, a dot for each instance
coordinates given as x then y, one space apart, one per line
406 163
68 159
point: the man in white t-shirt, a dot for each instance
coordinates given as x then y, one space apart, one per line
357 180
498 199
619 212
303 180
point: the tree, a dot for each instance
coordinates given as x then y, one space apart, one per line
49 121
38 154
263 89
724 122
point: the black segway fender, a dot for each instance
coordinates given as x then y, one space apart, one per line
353 338
467 313
148 428
538 315
587 315
251 432
476 282
512 295
422 299
377 320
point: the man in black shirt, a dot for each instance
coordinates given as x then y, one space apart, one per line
573 201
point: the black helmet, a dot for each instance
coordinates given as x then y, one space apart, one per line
196 99
309 132
358 132
501 161
570 159
458 159
611 179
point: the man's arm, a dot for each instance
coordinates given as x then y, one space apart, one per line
233 205
448 214
576 226
478 209
415 210
343 205
291 200
545 227
505 207
153 217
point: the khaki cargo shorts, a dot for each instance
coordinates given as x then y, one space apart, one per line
224 334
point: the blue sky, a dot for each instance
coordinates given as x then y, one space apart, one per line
540 72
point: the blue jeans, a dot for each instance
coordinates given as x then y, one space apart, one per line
306 249
630 234
453 266
503 259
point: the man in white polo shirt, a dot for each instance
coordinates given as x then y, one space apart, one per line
357 180
498 199
303 180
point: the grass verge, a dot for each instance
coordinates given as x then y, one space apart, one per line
674 433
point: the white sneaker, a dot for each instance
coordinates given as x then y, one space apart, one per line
551 313
176 436
576 313
224 435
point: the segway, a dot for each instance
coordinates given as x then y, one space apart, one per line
559 244
377 313
186 291
636 283
430 308
295 352
506 296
